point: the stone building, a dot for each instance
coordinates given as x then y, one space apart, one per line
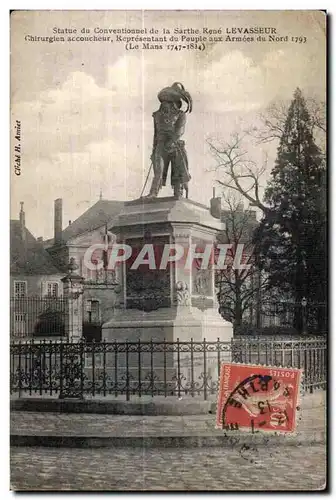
73 241
35 278
33 272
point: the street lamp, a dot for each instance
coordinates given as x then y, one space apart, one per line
304 315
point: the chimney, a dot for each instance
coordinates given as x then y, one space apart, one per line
22 222
58 221
215 205
252 215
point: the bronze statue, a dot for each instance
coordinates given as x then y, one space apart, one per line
168 149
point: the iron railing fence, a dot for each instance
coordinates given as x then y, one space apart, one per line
45 316
152 368
37 316
282 314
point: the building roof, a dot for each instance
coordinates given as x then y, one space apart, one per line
96 216
29 258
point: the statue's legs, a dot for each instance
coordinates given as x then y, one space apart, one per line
158 164
180 174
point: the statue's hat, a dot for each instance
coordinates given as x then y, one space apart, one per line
176 93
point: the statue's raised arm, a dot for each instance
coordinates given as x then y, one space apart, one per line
168 148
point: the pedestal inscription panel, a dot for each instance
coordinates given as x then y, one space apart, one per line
147 289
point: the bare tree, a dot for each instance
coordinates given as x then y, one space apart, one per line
274 118
237 171
239 290
238 174
318 114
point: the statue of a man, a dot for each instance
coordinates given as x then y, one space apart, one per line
168 149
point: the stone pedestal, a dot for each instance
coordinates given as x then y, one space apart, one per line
174 304
151 304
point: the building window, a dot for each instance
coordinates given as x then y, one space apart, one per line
52 289
92 310
20 289
20 324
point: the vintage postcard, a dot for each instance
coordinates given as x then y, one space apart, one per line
168 262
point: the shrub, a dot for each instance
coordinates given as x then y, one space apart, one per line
269 331
92 332
50 323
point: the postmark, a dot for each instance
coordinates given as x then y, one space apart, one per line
258 398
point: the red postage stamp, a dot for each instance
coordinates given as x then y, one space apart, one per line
254 397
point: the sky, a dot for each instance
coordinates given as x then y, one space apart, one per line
86 108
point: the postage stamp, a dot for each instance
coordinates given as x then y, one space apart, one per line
258 398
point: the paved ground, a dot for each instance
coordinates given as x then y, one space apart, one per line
292 468
311 417
240 467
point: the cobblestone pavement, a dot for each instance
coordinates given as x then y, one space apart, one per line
288 468
67 424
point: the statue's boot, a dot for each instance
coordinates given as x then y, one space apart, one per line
178 191
153 193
